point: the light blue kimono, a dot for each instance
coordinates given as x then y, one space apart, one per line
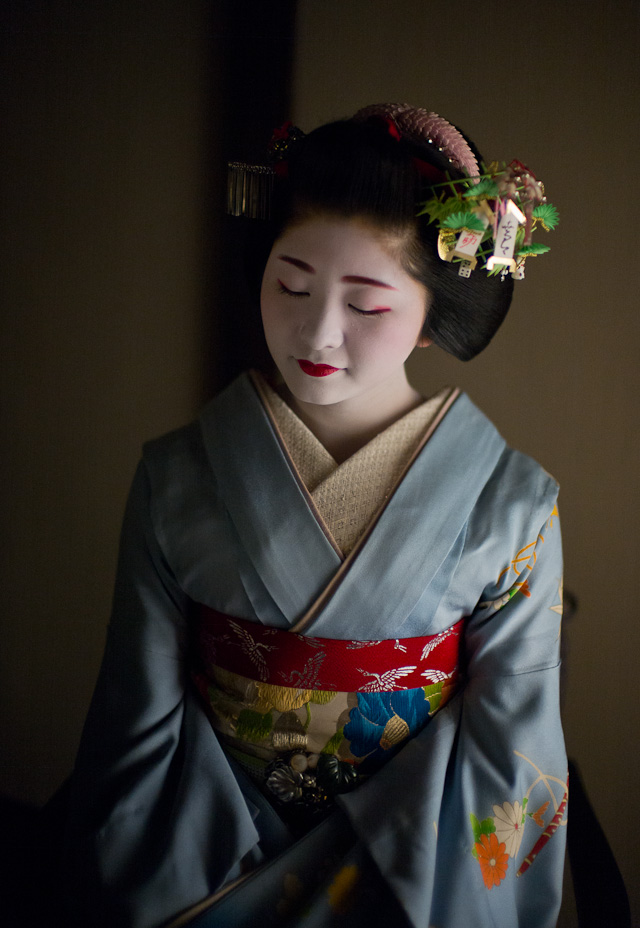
464 826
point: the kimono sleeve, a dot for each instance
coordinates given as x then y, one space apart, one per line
157 819
509 773
479 797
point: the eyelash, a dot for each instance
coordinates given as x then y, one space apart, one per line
366 312
283 289
360 312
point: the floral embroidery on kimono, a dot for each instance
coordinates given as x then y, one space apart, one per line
499 837
163 815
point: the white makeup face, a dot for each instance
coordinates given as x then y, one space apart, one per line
340 313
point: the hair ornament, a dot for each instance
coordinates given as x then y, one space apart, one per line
424 128
278 148
485 219
488 220
249 189
250 186
383 164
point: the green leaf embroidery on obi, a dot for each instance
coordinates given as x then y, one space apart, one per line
322 697
215 695
252 726
433 693
333 743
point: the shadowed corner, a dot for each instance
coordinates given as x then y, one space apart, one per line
594 892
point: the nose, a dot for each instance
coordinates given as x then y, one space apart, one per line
323 325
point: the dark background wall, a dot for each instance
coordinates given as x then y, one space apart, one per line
117 123
106 271
117 320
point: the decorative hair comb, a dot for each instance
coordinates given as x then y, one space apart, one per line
485 219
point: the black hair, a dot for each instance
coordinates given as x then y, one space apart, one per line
357 169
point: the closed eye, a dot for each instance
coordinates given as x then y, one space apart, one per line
368 312
283 289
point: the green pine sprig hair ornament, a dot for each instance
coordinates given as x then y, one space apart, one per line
489 220
547 215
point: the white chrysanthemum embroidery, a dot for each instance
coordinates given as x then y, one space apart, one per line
509 826
495 604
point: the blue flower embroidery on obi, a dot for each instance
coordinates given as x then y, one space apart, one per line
381 723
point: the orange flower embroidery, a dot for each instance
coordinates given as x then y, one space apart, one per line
524 588
493 860
537 816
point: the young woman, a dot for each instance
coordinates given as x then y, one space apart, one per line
330 688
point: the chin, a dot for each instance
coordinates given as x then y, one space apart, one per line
314 395
315 390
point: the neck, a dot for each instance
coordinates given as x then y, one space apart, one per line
343 428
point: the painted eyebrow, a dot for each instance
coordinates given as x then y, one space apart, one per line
369 281
347 279
298 263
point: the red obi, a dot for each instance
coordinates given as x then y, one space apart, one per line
286 659
308 718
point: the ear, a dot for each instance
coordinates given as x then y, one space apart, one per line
424 342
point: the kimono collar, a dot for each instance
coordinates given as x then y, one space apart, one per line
302 576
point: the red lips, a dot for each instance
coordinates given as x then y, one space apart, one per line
316 370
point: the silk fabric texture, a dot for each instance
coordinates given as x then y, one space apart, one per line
160 818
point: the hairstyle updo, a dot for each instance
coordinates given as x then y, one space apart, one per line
356 168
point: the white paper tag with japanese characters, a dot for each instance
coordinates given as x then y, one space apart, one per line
467 243
505 240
